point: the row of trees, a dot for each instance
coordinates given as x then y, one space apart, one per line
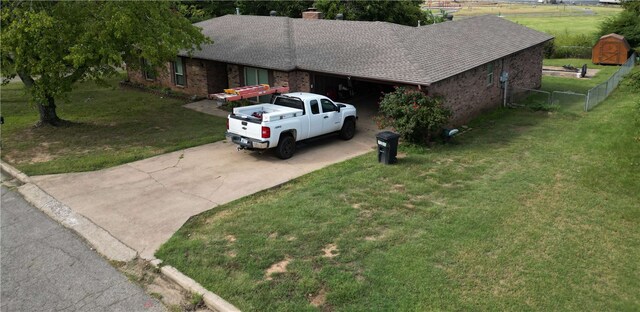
405 12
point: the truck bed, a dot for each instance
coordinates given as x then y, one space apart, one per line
266 112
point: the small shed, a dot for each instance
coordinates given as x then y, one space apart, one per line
611 49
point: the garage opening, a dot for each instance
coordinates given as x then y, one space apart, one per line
341 88
362 93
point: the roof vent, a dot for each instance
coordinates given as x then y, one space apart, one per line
273 13
340 16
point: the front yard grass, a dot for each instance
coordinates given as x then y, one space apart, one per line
110 126
527 211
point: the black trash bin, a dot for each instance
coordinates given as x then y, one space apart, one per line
387 147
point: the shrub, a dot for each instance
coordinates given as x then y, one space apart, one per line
567 45
416 116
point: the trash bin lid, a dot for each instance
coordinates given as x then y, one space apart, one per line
387 135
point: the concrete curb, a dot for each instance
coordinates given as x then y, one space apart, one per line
100 239
103 241
15 173
211 300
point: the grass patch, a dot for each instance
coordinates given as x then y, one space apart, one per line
528 211
110 126
553 19
574 27
551 83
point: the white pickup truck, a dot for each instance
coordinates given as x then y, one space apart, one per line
289 118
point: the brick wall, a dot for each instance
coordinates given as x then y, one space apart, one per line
299 81
469 94
199 77
280 78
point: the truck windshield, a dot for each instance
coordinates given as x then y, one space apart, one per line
290 102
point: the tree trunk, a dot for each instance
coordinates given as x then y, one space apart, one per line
48 115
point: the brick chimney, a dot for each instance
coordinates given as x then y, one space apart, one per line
312 13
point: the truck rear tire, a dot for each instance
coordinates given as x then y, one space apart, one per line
286 147
348 129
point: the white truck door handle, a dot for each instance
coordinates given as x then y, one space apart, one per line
325 117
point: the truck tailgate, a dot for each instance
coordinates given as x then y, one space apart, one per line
245 128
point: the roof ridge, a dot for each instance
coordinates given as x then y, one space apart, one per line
405 50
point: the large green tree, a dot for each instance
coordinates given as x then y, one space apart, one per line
405 12
54 44
626 23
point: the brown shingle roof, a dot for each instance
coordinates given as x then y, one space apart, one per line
375 50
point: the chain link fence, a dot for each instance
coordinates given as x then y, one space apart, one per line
519 97
567 100
600 92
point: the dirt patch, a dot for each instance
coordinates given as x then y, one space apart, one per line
330 251
567 73
356 206
319 299
156 285
230 238
398 187
232 254
40 158
273 235
278 267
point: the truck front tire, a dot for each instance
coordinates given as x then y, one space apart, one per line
348 129
286 147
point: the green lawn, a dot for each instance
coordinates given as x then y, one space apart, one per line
110 126
566 22
575 84
527 211
554 19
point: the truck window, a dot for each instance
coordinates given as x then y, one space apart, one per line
328 106
315 109
290 102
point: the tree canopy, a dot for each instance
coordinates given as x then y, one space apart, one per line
405 12
626 23
52 45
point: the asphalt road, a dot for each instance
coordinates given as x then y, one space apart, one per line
46 267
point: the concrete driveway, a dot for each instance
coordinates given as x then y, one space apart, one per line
144 202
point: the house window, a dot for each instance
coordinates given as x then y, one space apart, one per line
147 70
178 72
255 76
490 74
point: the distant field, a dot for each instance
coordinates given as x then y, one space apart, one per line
554 19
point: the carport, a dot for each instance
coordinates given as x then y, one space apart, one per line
344 88
363 93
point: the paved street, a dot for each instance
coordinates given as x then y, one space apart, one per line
46 267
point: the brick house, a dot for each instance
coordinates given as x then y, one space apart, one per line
460 60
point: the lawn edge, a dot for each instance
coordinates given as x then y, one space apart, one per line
211 300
